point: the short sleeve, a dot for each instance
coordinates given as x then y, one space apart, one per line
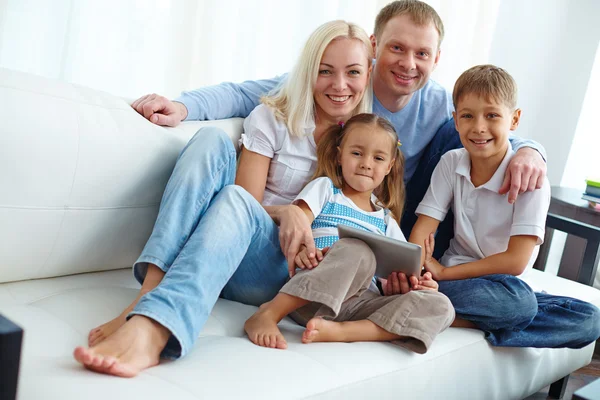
438 198
262 132
316 194
530 211
393 230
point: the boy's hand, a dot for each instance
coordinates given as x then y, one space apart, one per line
303 261
431 264
525 173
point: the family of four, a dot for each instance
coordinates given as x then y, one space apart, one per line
335 141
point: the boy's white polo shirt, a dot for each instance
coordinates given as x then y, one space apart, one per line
484 221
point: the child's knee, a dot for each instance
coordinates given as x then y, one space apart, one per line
360 253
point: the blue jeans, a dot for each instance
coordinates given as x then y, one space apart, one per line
512 314
211 238
446 139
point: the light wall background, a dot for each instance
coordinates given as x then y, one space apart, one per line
133 47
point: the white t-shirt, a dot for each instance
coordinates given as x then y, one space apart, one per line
293 159
484 221
331 207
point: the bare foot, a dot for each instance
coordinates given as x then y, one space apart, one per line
262 329
103 331
134 347
321 330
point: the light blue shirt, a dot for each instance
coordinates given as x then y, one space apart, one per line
417 123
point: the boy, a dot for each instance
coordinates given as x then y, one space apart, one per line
495 242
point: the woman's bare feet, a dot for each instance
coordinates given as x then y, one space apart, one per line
262 329
103 331
321 330
153 277
134 347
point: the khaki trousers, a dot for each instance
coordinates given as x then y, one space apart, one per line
338 291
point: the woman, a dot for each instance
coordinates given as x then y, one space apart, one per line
213 238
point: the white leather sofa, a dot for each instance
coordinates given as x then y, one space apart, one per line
81 178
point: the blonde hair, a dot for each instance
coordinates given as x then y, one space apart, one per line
391 191
420 13
488 81
293 102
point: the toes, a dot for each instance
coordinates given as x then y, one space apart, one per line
108 362
122 370
281 343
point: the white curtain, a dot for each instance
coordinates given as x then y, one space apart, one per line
132 47
583 162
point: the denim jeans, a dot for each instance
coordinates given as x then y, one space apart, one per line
445 140
512 314
211 238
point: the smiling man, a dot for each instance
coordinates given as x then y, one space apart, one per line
407 39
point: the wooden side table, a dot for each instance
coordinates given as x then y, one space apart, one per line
567 202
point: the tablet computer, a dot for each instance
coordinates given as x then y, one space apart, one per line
391 254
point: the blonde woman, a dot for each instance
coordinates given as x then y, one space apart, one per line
214 238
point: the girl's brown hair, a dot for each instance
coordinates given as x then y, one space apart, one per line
391 191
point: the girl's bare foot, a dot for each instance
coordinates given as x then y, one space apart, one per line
262 329
134 347
321 330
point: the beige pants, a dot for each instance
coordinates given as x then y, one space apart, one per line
337 289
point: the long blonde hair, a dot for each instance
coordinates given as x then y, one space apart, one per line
293 102
390 192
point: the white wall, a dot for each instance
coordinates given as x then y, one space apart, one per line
549 47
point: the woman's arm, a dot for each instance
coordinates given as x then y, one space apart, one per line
513 261
252 172
294 226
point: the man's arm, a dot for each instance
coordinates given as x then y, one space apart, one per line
518 143
226 100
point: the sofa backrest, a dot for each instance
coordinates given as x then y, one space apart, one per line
81 177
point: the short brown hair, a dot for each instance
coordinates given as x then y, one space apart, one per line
488 81
420 13
391 191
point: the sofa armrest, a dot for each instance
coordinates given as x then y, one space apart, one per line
11 338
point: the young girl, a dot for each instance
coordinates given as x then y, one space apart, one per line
358 183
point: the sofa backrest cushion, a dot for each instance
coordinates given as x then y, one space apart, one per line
81 177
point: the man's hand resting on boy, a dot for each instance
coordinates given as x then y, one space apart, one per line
302 260
431 264
398 283
525 173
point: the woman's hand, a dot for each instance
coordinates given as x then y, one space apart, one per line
431 264
294 231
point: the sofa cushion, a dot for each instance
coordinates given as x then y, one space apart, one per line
58 313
